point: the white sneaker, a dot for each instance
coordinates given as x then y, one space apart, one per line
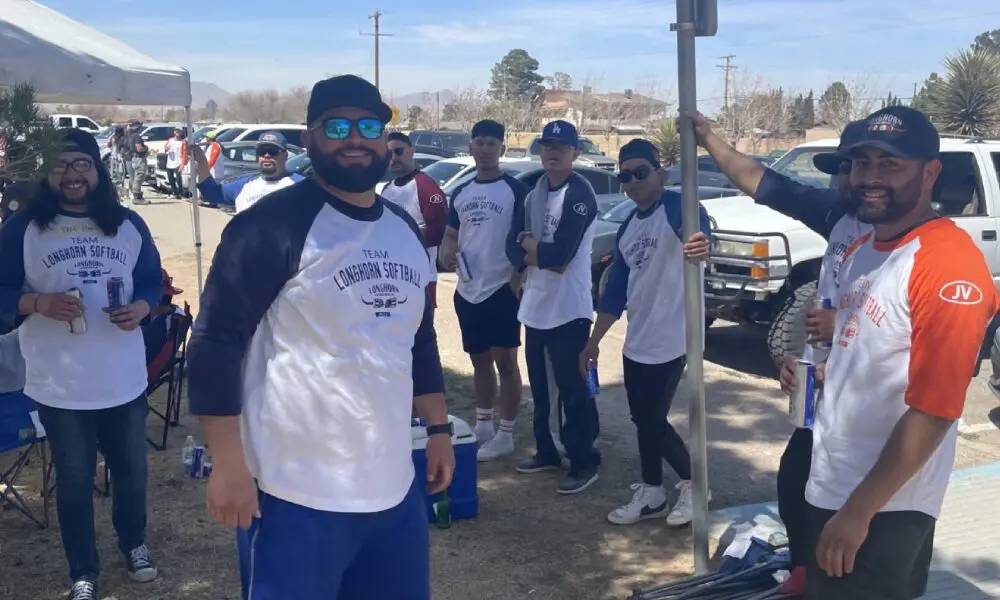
500 445
683 511
484 432
648 502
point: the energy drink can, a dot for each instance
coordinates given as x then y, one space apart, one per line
464 272
802 402
197 461
822 304
78 325
593 384
116 293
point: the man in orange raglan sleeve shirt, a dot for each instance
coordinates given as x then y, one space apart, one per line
914 302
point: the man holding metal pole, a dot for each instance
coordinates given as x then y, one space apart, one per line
694 17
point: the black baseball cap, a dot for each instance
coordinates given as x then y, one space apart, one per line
562 132
346 90
78 140
640 148
901 131
829 162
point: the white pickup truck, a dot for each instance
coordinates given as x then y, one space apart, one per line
764 264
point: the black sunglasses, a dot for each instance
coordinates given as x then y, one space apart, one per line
639 173
270 151
398 151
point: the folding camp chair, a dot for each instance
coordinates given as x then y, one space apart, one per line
167 368
20 432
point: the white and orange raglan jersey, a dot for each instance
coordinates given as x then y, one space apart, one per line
911 316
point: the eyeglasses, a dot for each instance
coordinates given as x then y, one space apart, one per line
269 151
80 165
398 151
639 173
339 128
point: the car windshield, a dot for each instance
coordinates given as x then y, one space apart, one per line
229 135
443 170
298 163
797 164
588 147
455 140
199 135
619 213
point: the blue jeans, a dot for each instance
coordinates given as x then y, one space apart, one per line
580 423
74 437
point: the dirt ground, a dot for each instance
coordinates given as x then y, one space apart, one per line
527 542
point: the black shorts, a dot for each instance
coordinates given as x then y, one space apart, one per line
893 563
490 324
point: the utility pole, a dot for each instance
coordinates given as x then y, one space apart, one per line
725 82
376 34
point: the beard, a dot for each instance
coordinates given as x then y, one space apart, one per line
269 170
890 208
353 178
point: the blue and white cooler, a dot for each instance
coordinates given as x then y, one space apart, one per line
464 492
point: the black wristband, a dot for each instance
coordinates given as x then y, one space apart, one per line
446 428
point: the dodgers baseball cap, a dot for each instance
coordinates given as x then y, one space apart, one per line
272 138
829 162
901 131
346 91
562 132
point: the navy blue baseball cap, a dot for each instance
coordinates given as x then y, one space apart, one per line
901 131
273 138
829 162
560 131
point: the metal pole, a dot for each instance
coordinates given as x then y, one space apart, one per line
693 293
193 184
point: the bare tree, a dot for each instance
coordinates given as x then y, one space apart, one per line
517 115
294 104
581 105
469 106
755 111
850 99
255 107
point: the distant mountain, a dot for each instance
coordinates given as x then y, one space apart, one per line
202 92
427 99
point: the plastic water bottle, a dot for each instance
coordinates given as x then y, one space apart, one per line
187 454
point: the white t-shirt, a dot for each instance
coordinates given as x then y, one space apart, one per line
258 188
911 317
332 298
550 298
482 212
647 275
174 149
104 366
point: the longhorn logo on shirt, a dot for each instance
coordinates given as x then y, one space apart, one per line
961 292
383 298
849 331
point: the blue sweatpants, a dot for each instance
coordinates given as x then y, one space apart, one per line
297 553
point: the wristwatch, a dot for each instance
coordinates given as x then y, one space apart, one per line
522 235
443 429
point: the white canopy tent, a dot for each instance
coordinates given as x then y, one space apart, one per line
69 63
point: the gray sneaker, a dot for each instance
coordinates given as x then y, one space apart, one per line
140 564
576 481
535 464
84 588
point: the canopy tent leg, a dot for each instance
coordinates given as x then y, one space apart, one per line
195 206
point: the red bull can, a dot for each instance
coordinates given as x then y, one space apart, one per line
116 293
822 304
802 402
593 384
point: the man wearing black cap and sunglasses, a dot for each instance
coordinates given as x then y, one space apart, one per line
648 275
272 154
314 343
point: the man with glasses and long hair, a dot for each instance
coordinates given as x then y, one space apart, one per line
420 196
314 343
83 352
272 156
647 274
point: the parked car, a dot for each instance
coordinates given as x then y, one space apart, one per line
241 158
252 133
421 160
441 143
611 220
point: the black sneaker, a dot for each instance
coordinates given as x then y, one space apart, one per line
140 564
84 588
576 481
535 464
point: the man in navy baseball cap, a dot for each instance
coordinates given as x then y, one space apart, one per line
833 163
901 131
560 132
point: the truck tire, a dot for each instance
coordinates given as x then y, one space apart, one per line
787 334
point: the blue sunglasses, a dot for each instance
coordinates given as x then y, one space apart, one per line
339 128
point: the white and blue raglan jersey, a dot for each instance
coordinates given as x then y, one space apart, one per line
647 275
315 328
243 191
559 289
104 366
482 212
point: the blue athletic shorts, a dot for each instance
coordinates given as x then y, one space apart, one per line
297 553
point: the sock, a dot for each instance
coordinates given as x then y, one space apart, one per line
506 427
484 415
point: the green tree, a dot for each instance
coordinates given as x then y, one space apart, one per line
988 40
922 101
31 138
211 107
559 81
835 105
516 77
414 116
967 100
667 140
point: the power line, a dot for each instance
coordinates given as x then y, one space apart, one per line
376 17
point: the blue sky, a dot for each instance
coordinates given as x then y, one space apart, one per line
614 44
